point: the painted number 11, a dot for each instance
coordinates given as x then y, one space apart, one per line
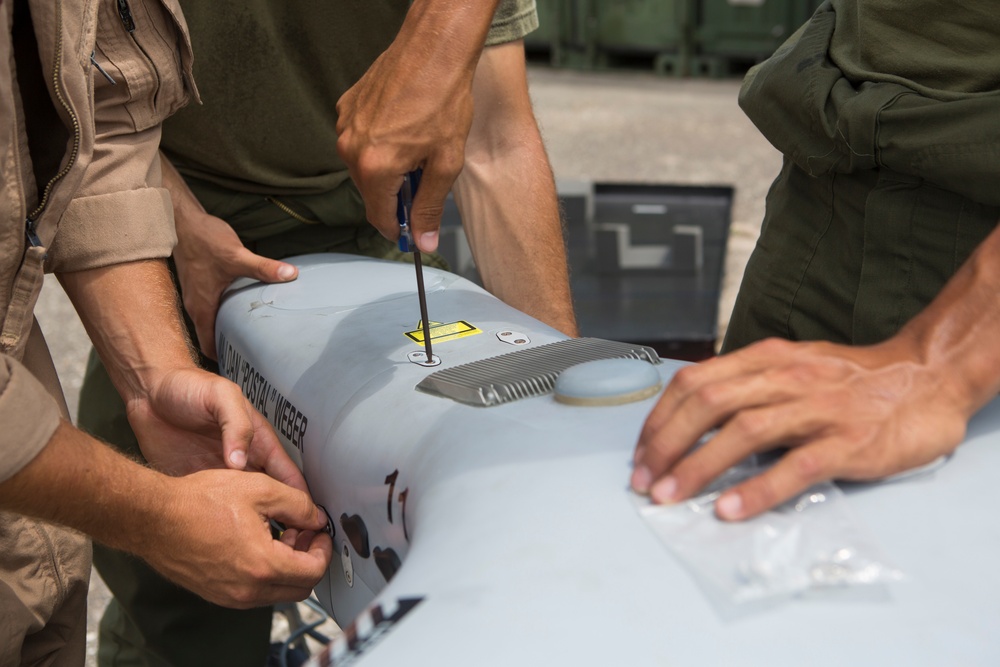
390 480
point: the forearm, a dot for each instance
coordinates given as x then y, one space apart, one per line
187 208
446 35
507 196
79 482
515 232
207 532
956 334
131 313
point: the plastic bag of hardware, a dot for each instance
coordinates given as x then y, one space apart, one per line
810 543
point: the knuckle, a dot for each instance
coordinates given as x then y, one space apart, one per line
799 375
686 379
343 140
713 396
772 346
750 425
808 465
244 596
369 165
452 163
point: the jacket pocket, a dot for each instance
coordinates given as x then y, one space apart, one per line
144 51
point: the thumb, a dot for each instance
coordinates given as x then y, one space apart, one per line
293 508
265 269
236 425
428 207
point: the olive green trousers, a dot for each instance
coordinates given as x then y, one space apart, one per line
850 258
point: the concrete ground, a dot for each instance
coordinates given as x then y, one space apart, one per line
615 127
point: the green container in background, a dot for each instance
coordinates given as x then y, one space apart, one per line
546 37
732 33
564 35
627 30
679 37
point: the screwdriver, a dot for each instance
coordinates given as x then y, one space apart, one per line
404 203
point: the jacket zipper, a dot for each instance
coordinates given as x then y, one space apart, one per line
125 12
30 230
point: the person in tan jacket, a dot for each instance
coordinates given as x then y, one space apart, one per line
84 87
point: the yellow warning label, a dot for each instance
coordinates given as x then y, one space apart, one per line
441 332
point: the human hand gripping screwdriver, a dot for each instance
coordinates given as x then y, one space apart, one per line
404 204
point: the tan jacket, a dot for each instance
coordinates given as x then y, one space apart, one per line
79 189
79 167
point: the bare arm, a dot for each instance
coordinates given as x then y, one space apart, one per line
413 108
507 196
185 418
209 256
207 531
855 413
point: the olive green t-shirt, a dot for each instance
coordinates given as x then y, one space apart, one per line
270 73
940 49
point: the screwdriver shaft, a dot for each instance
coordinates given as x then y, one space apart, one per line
423 305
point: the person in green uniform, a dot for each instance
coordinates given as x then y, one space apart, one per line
298 98
879 257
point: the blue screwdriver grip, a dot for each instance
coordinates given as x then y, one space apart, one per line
404 203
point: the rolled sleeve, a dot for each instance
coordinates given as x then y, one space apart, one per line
513 20
121 212
109 229
29 416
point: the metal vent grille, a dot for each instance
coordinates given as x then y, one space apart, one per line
525 373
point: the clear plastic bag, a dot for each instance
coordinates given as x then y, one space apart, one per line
809 543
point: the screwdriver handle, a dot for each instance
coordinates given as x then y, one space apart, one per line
404 203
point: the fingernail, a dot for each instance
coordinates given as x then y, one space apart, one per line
286 271
641 479
730 506
238 458
429 241
665 490
322 516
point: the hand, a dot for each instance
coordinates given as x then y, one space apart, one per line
209 256
214 539
208 531
413 108
856 413
195 420
387 127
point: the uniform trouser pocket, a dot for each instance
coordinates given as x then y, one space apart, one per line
916 236
44 576
850 258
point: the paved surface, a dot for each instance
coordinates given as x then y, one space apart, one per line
622 127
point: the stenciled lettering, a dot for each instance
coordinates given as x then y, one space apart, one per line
287 419
290 422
